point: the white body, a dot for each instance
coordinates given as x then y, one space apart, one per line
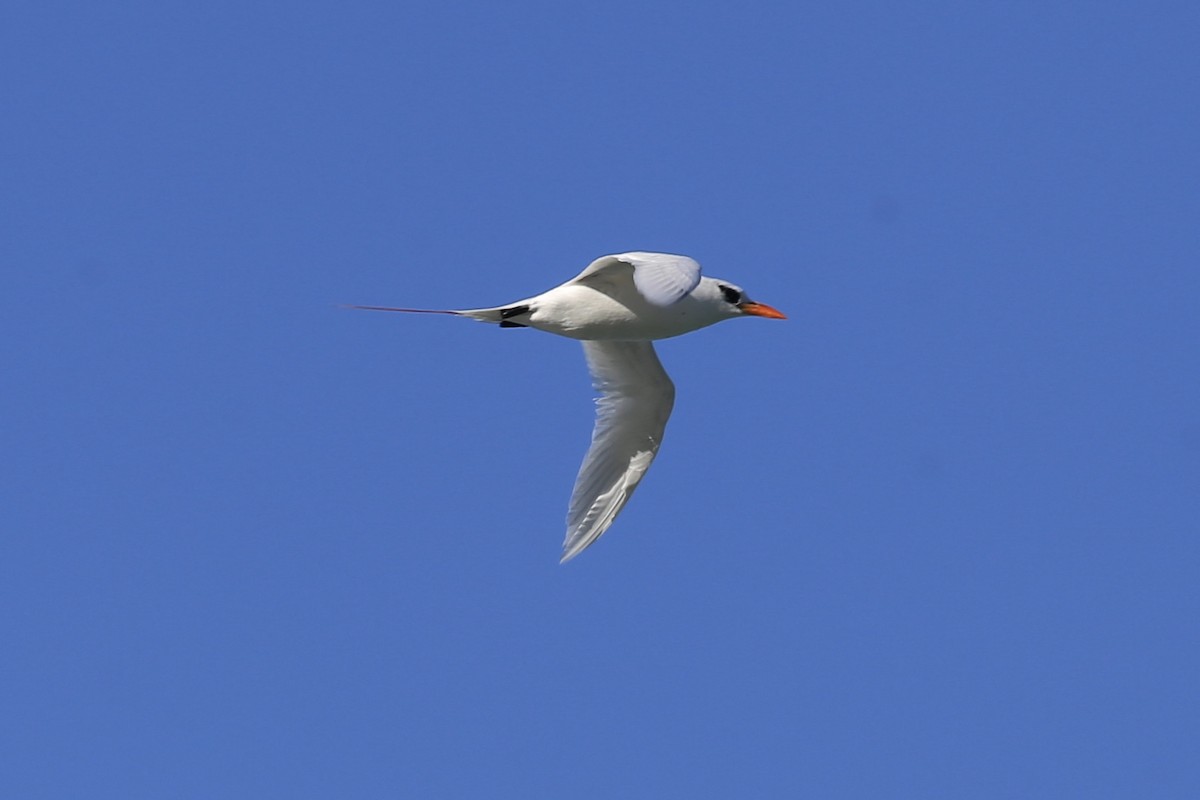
580 311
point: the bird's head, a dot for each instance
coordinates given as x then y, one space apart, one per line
730 300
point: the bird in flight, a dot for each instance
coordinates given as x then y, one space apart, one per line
617 307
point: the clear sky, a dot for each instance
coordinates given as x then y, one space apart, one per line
933 536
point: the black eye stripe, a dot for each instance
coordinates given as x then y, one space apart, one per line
731 295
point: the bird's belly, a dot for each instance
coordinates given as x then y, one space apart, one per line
580 312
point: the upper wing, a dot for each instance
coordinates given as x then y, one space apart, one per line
661 278
636 398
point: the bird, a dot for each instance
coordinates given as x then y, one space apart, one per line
617 307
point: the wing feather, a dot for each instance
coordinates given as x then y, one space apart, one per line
662 278
636 398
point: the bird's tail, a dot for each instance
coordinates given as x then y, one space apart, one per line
504 316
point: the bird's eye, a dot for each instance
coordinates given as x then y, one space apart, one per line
731 295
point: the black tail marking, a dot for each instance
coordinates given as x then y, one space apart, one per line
514 311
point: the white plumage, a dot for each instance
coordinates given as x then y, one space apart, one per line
617 306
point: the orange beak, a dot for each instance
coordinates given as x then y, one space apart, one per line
761 310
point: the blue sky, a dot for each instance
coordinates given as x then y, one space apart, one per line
934 536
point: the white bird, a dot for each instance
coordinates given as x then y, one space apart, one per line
616 307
